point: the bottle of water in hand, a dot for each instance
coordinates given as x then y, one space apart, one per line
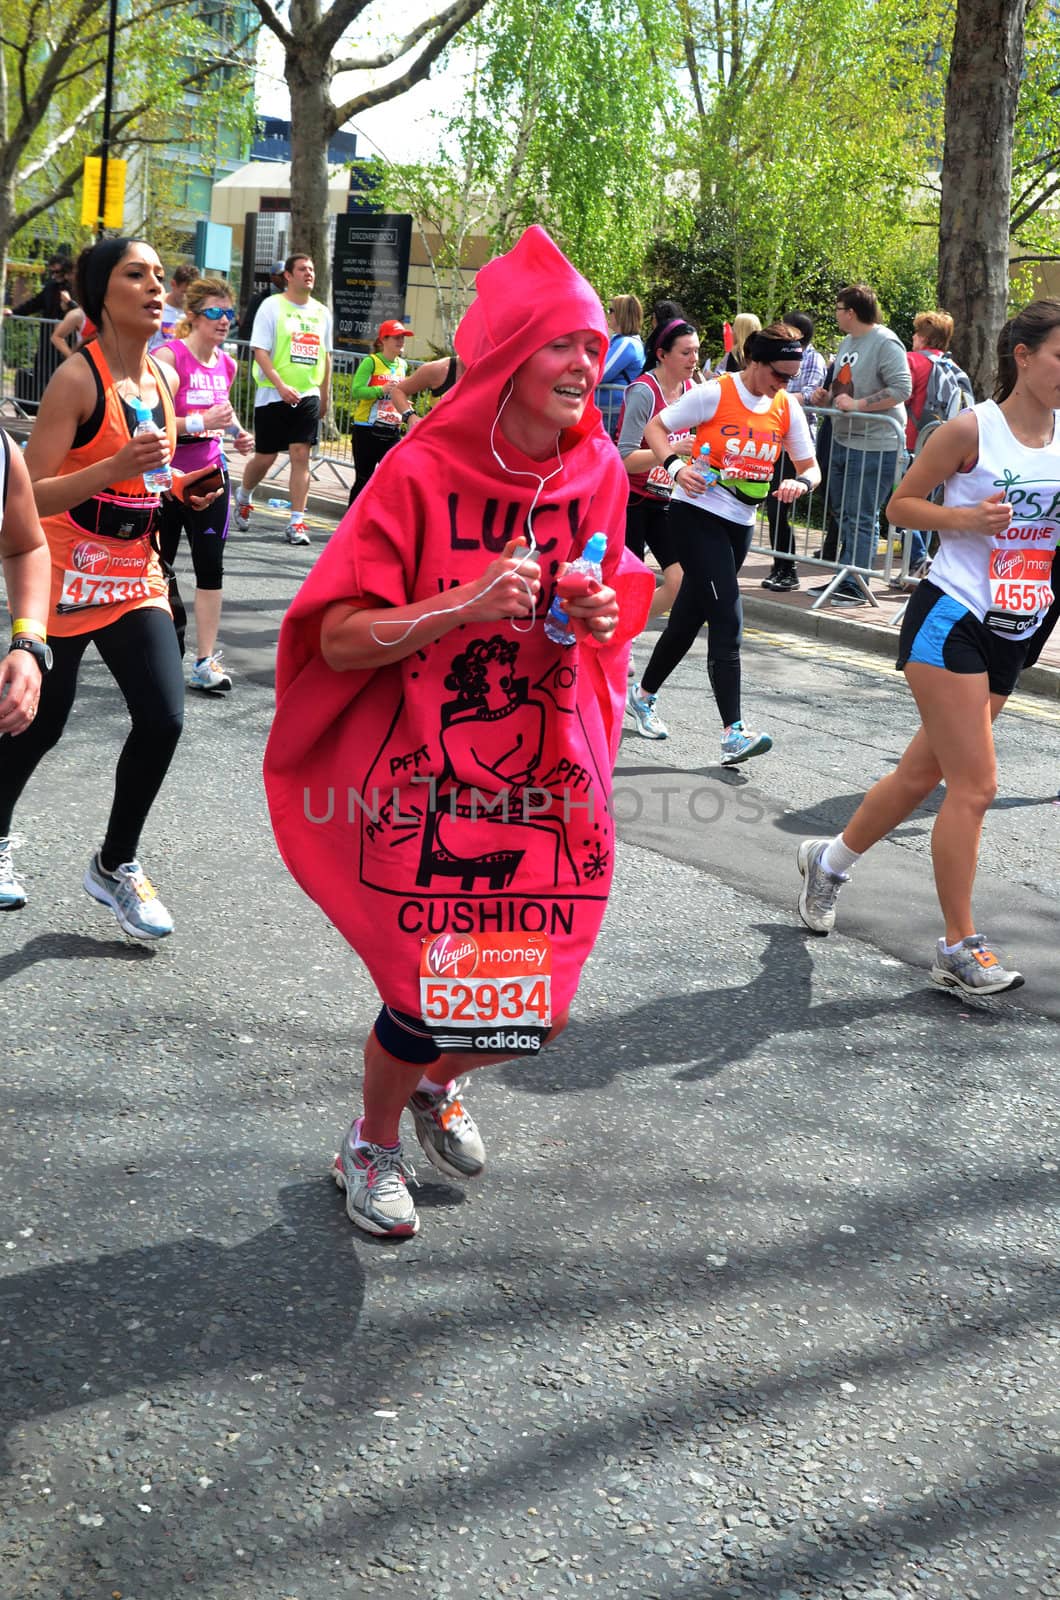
703 466
161 479
581 577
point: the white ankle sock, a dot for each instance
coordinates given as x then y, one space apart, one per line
428 1086
838 859
951 949
363 1144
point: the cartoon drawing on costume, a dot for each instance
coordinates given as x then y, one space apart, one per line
495 767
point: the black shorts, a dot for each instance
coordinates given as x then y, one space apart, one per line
648 527
278 425
939 632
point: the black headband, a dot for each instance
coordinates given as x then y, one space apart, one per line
769 347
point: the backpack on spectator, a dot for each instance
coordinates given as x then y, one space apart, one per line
949 392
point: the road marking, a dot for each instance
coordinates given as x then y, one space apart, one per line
1035 709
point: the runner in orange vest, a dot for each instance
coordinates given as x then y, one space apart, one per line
88 465
743 421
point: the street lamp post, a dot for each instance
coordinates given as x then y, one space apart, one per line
108 95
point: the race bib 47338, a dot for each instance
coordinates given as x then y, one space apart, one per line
487 993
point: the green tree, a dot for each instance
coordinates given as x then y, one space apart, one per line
809 132
564 123
311 38
52 56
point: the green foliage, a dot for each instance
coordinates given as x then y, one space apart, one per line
809 141
176 78
562 125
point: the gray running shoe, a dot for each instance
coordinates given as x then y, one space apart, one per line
12 894
974 969
820 889
643 712
132 897
447 1135
375 1180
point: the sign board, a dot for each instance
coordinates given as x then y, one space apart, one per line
114 205
213 247
370 274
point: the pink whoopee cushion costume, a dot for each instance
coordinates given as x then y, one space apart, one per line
466 787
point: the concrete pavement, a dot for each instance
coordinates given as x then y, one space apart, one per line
754 1298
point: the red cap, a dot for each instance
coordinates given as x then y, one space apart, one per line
393 326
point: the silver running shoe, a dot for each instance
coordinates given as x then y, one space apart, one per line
243 511
974 969
447 1135
376 1181
12 894
643 713
132 897
820 889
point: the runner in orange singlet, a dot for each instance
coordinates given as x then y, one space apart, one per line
107 585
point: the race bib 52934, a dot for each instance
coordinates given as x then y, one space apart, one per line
487 993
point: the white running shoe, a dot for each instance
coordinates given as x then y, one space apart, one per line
642 709
244 506
12 894
209 674
296 531
132 897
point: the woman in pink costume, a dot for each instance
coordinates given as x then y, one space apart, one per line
439 769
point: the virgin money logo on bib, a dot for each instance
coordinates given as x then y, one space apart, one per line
451 956
1006 563
90 557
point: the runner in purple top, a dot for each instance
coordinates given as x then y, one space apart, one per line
204 414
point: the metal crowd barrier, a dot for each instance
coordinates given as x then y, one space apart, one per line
28 359
822 529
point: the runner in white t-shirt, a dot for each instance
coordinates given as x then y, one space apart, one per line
966 635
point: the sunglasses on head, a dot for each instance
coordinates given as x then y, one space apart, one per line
215 313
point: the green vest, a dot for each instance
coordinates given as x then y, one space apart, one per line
382 372
299 354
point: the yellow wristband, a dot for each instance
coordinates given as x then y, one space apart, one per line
27 625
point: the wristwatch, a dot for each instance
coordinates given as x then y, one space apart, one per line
807 485
405 415
40 651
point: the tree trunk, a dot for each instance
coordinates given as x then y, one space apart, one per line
986 64
312 124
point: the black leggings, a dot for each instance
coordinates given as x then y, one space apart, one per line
140 651
369 449
207 531
711 551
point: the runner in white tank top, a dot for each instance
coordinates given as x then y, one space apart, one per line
966 635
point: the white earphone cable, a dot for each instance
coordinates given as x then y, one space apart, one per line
448 611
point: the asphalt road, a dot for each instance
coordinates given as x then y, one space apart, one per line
756 1298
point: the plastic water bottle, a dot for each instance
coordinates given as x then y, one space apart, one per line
280 505
703 466
161 479
590 566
